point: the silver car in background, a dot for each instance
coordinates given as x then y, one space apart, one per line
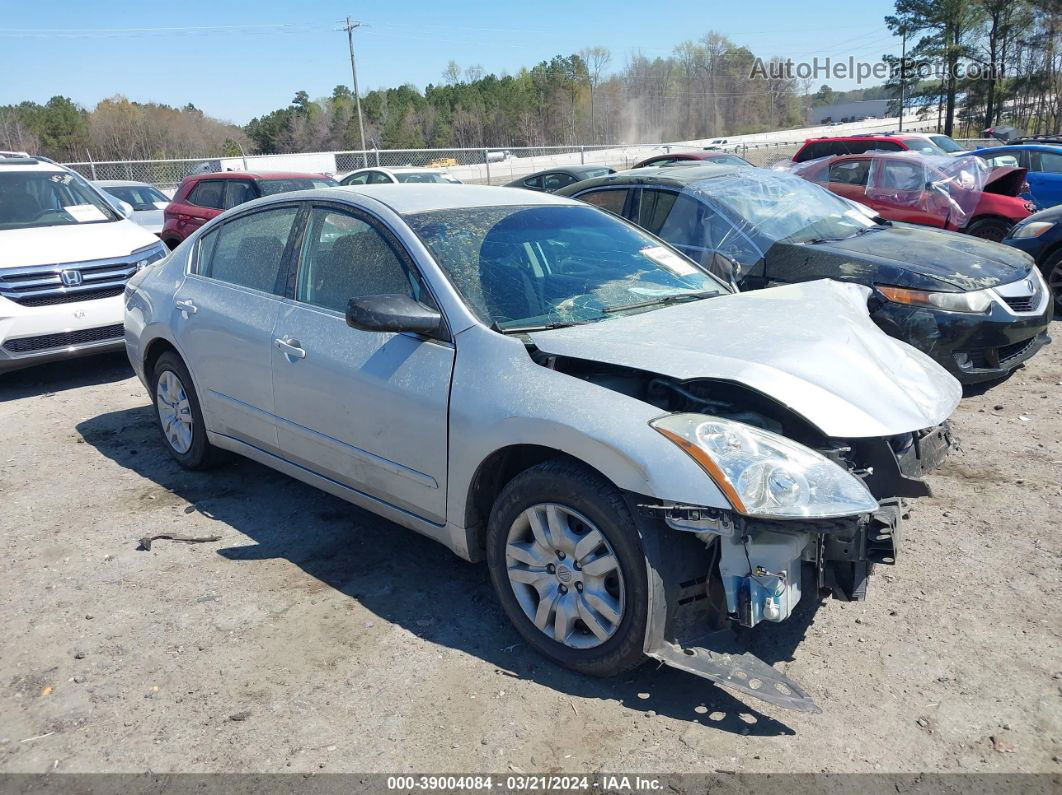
147 201
642 458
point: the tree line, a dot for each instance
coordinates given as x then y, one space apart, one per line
702 89
991 61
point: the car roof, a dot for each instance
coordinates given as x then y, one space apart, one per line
673 176
20 162
256 175
576 169
410 198
1056 149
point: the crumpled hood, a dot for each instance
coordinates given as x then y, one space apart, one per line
956 260
51 245
809 346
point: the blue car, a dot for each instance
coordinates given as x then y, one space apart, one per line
1040 235
1044 164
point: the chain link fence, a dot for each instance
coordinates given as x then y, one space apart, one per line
486 166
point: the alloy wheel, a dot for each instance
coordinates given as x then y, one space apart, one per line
565 575
175 412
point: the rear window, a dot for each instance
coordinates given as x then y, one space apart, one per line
207 194
270 187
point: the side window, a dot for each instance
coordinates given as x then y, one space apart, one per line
203 250
237 191
207 194
250 249
378 178
1051 162
357 179
698 230
553 182
653 208
344 257
535 183
611 199
1002 160
898 175
850 172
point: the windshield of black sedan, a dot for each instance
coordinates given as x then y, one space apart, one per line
772 207
534 267
49 198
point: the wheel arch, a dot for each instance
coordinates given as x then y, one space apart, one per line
498 469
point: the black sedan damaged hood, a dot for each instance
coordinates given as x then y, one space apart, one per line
903 255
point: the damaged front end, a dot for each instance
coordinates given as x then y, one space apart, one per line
745 570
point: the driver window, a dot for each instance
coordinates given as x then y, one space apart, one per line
611 199
357 179
344 257
902 176
850 172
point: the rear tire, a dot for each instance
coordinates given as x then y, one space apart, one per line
606 604
1052 271
994 229
180 417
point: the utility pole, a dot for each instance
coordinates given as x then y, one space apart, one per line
349 28
903 73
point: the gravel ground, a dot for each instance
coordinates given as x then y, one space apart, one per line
315 637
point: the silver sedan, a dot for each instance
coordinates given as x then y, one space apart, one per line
642 458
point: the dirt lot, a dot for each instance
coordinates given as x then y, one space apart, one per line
314 636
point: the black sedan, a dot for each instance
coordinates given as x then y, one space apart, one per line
978 308
1040 236
554 179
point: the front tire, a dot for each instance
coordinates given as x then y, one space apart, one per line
994 229
180 416
567 564
1052 271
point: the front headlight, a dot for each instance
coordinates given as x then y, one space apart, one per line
150 254
1033 229
764 474
976 301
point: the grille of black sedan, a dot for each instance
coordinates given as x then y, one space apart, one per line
1024 303
66 339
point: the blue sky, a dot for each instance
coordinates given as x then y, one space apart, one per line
91 50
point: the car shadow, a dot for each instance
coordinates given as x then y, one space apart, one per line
44 379
442 598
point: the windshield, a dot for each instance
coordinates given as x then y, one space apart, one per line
524 268
271 186
946 144
29 200
770 206
419 176
141 197
727 160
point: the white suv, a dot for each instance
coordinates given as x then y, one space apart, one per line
65 256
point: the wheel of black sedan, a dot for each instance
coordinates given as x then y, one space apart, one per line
567 564
1052 270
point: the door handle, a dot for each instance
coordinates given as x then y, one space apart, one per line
290 347
188 307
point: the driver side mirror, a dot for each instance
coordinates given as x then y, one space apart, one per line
726 269
395 313
125 208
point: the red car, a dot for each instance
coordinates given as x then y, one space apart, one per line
204 196
958 194
815 148
715 157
